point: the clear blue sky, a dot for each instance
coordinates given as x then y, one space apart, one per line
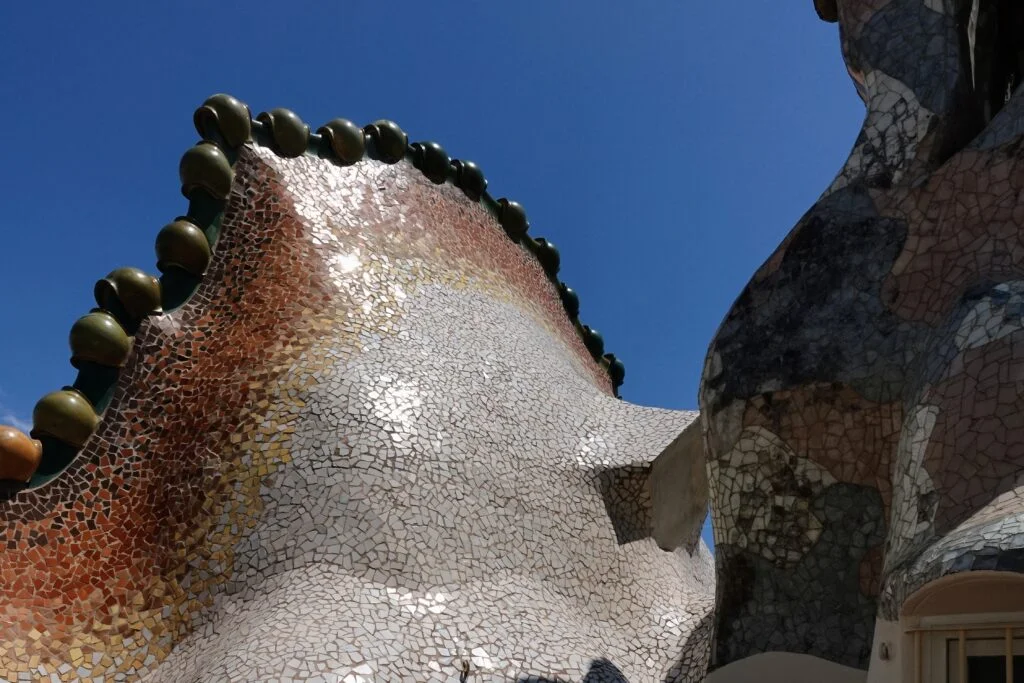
666 147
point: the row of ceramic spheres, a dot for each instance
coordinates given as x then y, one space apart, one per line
346 141
100 338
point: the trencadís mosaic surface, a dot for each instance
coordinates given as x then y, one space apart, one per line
355 432
862 399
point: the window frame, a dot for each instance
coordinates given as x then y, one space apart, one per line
937 638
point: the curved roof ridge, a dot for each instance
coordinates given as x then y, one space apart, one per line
101 341
383 140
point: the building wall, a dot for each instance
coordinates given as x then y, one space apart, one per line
863 419
954 601
371 447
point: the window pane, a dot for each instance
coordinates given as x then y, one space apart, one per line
988 669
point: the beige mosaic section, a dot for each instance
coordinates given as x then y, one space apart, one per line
447 497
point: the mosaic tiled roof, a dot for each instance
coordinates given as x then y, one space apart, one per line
365 438
101 340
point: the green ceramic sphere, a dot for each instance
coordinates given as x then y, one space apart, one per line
182 245
470 179
389 139
137 292
616 370
512 217
99 338
570 300
346 139
593 341
548 256
289 133
228 116
432 160
65 415
204 167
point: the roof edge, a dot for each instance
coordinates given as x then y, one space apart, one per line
101 341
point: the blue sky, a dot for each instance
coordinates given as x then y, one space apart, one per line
665 147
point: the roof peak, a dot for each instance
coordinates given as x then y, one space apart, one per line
101 341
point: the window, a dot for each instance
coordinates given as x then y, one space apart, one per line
969 652
964 628
1000 660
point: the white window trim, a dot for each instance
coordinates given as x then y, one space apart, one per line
979 634
958 621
